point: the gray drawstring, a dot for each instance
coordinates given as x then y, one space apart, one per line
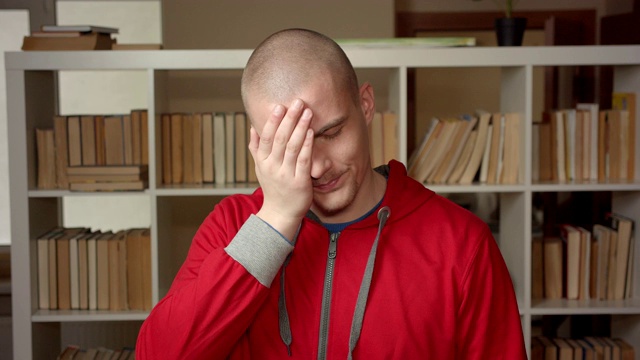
361 302
283 314
363 294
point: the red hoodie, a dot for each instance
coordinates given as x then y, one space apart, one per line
439 290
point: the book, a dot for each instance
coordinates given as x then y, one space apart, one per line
74 272
45 144
484 167
177 149
62 155
457 145
74 140
136 136
478 151
545 152
127 139
83 272
591 113
418 168
565 351
219 148
571 237
56 34
42 244
187 149
92 270
585 264
63 271
418 156
559 143
230 152
240 150
207 148
88 140
105 178
145 262
102 270
166 135
624 228
144 136
464 158
114 140
553 265
100 140
601 236
440 148
107 170
197 148
626 101
79 28
91 41
495 155
135 297
108 186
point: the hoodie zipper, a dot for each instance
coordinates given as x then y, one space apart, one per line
326 296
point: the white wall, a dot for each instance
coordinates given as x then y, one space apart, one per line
14 24
108 93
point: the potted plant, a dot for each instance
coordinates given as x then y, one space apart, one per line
509 29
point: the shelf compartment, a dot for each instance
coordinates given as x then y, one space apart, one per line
206 189
586 186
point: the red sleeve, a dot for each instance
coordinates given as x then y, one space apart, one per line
210 305
488 318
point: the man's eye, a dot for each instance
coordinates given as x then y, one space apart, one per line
332 133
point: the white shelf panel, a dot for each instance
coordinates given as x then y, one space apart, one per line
586 186
87 315
392 57
585 307
476 188
63 193
206 190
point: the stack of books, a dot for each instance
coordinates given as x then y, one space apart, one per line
107 178
70 37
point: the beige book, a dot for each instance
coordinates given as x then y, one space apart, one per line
197 148
75 140
219 148
495 152
83 272
624 228
144 137
207 148
127 140
62 154
240 147
176 149
134 269
166 136
464 158
422 159
145 259
511 168
45 145
230 161
187 149
102 256
107 170
252 177
553 262
441 147
114 140
601 236
100 140
417 156
477 152
108 186
136 136
87 125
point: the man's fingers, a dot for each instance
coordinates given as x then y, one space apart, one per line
298 137
284 131
265 140
303 164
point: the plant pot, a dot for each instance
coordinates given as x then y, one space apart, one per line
510 31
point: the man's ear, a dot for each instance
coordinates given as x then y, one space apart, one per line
367 102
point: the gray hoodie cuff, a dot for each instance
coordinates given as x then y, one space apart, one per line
260 249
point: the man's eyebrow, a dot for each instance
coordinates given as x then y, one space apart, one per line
334 123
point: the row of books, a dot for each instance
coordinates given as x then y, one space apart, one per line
583 264
586 143
484 147
588 348
74 352
212 147
85 270
90 140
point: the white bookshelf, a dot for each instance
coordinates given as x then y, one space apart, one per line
176 211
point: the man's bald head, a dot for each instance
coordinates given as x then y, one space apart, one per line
284 63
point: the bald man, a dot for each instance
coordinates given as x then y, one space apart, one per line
329 258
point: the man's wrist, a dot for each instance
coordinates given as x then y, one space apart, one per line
287 226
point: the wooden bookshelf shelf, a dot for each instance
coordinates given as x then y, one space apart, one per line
177 210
